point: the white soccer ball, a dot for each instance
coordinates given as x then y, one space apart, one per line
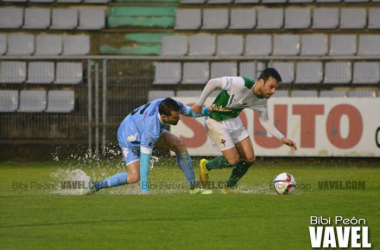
284 183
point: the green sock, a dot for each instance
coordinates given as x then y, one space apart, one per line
218 163
238 172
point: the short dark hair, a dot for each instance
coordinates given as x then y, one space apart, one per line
167 106
270 72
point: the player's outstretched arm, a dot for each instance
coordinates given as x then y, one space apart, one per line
289 143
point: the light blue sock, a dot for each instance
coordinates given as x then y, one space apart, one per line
186 165
113 181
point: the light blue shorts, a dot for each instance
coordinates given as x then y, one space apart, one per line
130 155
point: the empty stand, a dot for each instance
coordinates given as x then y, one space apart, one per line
32 101
304 93
353 18
193 1
258 45
300 1
251 69
188 19
3 44
286 45
60 101
242 19
230 45
273 1
76 45
271 18
11 18
42 1
342 45
8 100
328 1
247 1
189 93
158 94
338 72
215 19
69 1
369 45
220 69
91 19
286 70
167 73
68 73
219 1
12 72
314 45
362 93
280 93
40 72
374 18
97 1
64 19
202 45
195 73
174 45
325 18
20 44
309 72
366 72
332 93
48 45
297 18
36 18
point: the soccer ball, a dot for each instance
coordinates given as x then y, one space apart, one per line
284 183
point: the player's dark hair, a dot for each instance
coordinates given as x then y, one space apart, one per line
270 72
167 106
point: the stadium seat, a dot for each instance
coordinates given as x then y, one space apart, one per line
40 72
273 1
157 94
338 72
36 18
68 73
280 93
64 19
60 101
202 45
342 45
219 1
369 45
195 73
230 45
188 93
167 73
8 100
3 44
69 1
297 18
374 18
188 19
14 1
220 69
271 18
304 93
215 19
42 1
314 45
174 45
325 18
366 73
242 19
300 1
91 19
362 93
353 18
286 70
332 93
11 18
251 69
246 1
356 1
286 45
309 72
20 44
76 45
258 45
48 45
32 101
328 1
193 1
12 72
97 1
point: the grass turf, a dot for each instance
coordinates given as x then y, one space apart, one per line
39 217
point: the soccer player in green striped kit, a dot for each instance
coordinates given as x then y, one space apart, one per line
225 128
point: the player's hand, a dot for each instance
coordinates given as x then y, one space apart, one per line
213 108
197 109
144 193
289 143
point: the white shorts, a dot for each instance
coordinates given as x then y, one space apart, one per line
225 134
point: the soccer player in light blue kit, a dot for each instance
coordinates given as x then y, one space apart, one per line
142 131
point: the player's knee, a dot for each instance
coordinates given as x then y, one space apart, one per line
251 160
179 146
133 178
233 161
